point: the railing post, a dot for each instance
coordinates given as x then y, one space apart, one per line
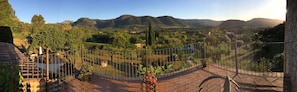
146 62
204 49
47 63
81 54
236 60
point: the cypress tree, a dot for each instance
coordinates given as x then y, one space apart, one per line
150 35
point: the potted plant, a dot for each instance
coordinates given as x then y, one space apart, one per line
204 62
150 82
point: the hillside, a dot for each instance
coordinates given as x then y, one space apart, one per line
201 23
263 22
130 22
240 26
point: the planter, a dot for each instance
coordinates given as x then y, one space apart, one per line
204 63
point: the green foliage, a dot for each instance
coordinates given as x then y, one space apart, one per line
22 30
216 52
7 14
101 38
10 78
262 65
134 40
275 34
246 38
181 55
92 45
156 70
85 70
120 39
277 63
6 34
150 35
74 38
173 42
130 54
272 52
53 37
217 36
50 37
37 22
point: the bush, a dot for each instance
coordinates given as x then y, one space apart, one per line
10 78
263 65
85 72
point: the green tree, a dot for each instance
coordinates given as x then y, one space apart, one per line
134 39
51 37
74 37
216 36
22 27
272 52
150 35
7 14
37 22
275 34
120 39
173 42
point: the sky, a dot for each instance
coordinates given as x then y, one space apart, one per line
55 11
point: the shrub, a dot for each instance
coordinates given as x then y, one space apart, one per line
85 72
10 78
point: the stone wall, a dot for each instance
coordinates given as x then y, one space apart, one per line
291 44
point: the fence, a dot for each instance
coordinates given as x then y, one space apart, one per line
246 59
132 64
59 65
50 67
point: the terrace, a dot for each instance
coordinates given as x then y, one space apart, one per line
121 75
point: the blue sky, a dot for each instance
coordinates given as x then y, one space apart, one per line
55 11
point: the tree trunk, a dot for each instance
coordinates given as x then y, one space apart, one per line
291 44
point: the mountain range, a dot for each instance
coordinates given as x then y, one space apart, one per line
130 21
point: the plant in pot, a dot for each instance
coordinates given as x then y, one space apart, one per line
150 82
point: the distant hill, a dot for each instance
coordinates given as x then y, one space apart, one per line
240 26
201 23
263 22
130 21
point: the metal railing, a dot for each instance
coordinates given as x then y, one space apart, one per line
244 60
133 64
57 65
